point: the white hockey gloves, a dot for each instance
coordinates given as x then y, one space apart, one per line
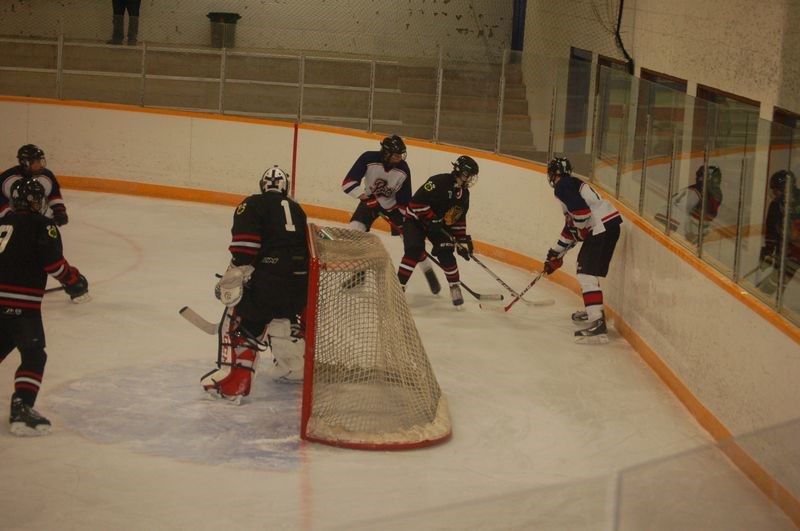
230 288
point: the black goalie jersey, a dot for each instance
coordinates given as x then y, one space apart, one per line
30 249
269 232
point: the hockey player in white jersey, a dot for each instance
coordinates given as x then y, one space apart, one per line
595 223
381 181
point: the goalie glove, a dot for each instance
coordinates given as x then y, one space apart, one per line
230 288
553 261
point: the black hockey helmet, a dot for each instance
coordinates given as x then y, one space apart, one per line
28 154
557 167
27 194
466 168
275 180
714 175
393 145
779 179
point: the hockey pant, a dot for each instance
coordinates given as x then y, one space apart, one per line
25 333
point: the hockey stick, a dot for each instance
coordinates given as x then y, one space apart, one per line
504 309
543 302
53 290
194 318
479 296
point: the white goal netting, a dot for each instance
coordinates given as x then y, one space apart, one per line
369 383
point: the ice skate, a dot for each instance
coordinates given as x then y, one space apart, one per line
596 333
26 421
456 296
433 282
580 316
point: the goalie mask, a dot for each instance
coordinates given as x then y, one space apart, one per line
557 168
275 180
467 169
27 194
31 158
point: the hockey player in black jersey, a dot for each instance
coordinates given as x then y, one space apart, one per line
595 222
381 181
264 289
32 164
30 249
438 212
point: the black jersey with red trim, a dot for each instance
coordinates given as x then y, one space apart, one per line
269 230
441 198
30 249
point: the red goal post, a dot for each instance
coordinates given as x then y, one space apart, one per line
368 383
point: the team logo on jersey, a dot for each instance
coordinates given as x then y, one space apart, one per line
453 215
241 208
52 231
429 186
381 187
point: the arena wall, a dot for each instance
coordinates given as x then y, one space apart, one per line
734 363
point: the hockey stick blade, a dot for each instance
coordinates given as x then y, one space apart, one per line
492 308
540 302
194 318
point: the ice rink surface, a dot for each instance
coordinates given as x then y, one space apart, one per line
547 434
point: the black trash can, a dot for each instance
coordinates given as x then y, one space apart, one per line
223 29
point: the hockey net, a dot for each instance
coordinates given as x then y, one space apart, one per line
368 382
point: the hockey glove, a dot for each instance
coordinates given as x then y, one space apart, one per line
579 235
60 215
396 217
465 246
552 262
75 285
230 288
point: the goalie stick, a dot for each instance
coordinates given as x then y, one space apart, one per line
194 318
504 309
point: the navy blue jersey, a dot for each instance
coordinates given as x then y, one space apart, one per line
584 211
52 190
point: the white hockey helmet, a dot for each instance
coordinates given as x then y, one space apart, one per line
275 180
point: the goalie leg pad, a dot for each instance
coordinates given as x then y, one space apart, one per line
288 352
233 379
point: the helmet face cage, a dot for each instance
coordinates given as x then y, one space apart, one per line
27 194
715 175
558 167
778 180
467 169
275 180
393 145
28 154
